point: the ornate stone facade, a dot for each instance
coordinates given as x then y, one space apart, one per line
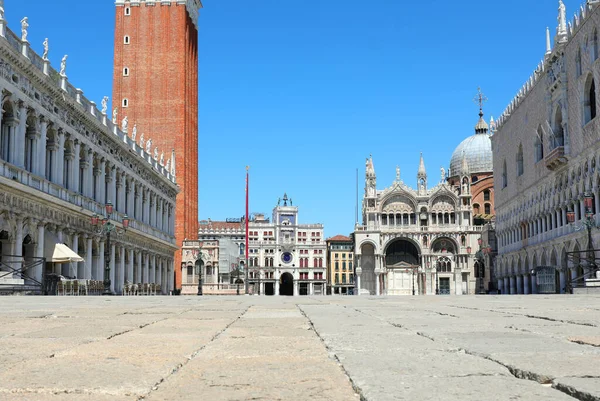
545 159
423 240
61 161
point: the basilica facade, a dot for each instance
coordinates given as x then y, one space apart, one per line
423 240
546 154
62 160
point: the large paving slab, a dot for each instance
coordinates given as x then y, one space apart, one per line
302 348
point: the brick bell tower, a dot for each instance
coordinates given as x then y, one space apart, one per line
155 85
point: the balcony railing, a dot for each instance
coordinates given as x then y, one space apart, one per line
556 158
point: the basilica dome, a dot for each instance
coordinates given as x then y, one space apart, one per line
477 151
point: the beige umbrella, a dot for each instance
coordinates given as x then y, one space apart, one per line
64 254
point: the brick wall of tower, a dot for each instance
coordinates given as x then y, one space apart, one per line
162 93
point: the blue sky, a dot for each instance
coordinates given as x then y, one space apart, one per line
303 92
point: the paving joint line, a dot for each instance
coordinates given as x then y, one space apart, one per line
192 356
333 355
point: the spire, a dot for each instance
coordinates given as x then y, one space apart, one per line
561 30
422 172
370 168
548 44
397 173
464 166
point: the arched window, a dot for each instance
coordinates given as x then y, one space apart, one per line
504 176
444 265
594 54
486 195
127 11
125 71
539 145
578 63
474 179
488 208
125 102
520 161
126 40
476 208
559 137
589 102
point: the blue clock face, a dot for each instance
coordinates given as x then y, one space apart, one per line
286 257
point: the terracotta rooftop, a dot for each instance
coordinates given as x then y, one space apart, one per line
339 238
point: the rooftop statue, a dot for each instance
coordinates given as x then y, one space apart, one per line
63 65
45 44
24 26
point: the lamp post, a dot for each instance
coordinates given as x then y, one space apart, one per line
104 226
198 256
588 223
437 279
480 263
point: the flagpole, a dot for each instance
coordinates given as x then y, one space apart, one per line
247 220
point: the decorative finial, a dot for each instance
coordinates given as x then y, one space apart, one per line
24 26
548 44
398 173
480 99
63 65
45 44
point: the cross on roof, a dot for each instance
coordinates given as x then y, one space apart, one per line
480 99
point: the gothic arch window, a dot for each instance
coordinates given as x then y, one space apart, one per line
504 176
444 265
539 145
559 135
594 54
520 161
578 63
589 101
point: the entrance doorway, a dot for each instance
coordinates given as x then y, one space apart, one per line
444 286
286 284
269 289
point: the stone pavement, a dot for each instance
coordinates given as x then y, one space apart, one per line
303 348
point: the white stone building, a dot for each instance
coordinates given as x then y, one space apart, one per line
61 161
546 154
423 241
284 256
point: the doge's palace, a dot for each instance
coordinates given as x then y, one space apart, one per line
546 157
62 159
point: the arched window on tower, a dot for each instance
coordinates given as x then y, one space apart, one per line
488 208
520 161
504 176
486 195
539 145
589 102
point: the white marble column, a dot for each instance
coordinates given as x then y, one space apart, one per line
112 267
506 286
41 148
138 275
89 174
129 272
100 181
101 262
377 285
38 274
146 269
20 136
112 186
122 268
130 199
88 257
457 280
501 286
74 268
74 185
152 275
534 289
59 158
526 285
519 284
513 289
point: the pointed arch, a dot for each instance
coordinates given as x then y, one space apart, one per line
589 100
559 135
504 175
520 160
539 144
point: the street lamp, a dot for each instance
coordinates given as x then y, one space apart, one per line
104 226
199 263
588 223
437 279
